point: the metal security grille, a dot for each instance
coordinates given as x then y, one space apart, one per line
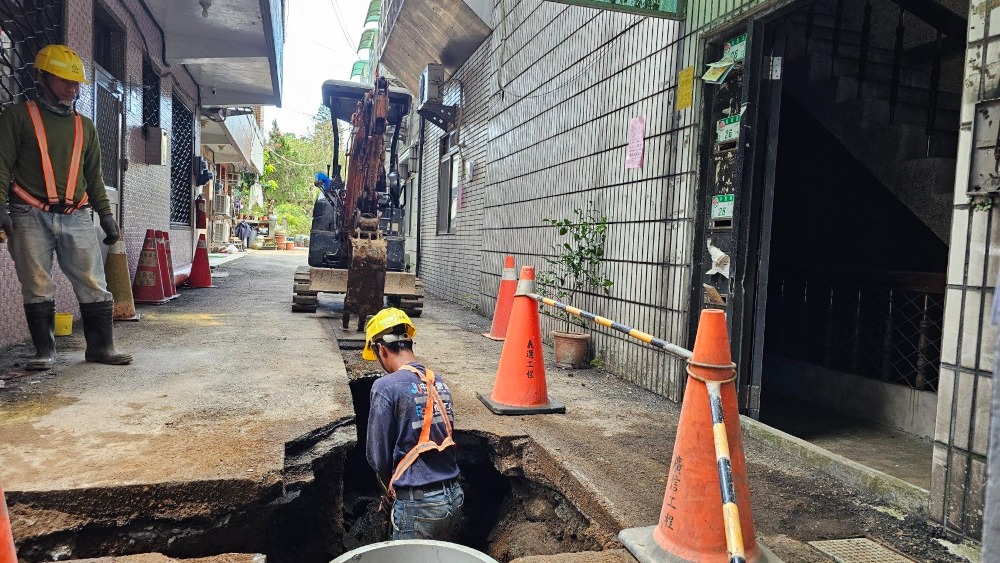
108 123
150 96
883 325
182 148
25 27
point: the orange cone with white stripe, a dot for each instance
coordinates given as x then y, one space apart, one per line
520 383
7 552
201 272
171 286
696 522
505 300
148 284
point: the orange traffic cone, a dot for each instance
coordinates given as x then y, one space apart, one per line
7 552
171 286
697 523
148 284
201 272
161 260
505 299
117 276
520 383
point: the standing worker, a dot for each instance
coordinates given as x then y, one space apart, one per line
50 173
410 442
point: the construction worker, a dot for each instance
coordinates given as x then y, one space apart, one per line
50 174
410 444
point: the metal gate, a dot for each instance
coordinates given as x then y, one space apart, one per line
109 119
25 27
181 155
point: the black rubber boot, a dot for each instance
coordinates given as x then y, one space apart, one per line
42 326
97 322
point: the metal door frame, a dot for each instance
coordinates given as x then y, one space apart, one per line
755 168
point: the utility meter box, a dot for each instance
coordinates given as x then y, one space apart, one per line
984 175
157 146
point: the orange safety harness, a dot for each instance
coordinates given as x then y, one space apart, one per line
424 444
69 206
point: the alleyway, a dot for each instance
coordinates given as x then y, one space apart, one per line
232 433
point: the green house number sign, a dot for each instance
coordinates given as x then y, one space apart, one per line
722 206
669 9
727 129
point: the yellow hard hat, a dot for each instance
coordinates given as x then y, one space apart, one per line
61 61
380 324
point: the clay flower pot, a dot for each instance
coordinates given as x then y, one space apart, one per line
570 349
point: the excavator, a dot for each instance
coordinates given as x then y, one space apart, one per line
357 241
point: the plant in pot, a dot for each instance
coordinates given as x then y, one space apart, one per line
576 270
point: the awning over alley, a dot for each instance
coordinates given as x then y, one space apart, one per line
232 48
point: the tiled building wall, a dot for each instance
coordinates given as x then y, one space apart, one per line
572 79
145 194
449 262
962 432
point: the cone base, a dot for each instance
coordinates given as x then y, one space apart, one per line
133 318
187 286
497 338
552 407
151 302
639 542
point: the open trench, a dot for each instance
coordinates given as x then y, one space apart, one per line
322 504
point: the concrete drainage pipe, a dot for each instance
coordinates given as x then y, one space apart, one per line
407 551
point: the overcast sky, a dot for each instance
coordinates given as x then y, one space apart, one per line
317 48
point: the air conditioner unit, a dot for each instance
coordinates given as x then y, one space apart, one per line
431 81
221 205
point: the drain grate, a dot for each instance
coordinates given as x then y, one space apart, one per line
859 550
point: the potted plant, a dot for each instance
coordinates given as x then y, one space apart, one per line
576 269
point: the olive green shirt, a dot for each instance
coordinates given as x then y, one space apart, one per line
21 161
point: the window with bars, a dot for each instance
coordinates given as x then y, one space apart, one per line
449 177
109 43
150 95
181 155
25 27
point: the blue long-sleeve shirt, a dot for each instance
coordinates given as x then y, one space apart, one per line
397 415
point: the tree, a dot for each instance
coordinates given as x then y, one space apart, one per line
290 166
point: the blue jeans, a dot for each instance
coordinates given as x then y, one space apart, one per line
430 518
37 234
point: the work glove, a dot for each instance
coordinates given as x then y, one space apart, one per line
6 225
110 227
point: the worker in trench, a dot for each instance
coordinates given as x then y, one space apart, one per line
50 174
410 426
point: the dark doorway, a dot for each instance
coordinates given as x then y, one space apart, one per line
846 184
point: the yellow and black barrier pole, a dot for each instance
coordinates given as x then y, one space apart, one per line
615 325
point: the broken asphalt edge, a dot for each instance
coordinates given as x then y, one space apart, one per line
870 482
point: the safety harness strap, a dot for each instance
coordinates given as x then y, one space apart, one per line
425 444
74 163
47 170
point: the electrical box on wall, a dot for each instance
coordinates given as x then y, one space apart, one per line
157 146
984 175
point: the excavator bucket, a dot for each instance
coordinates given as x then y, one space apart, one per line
366 272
